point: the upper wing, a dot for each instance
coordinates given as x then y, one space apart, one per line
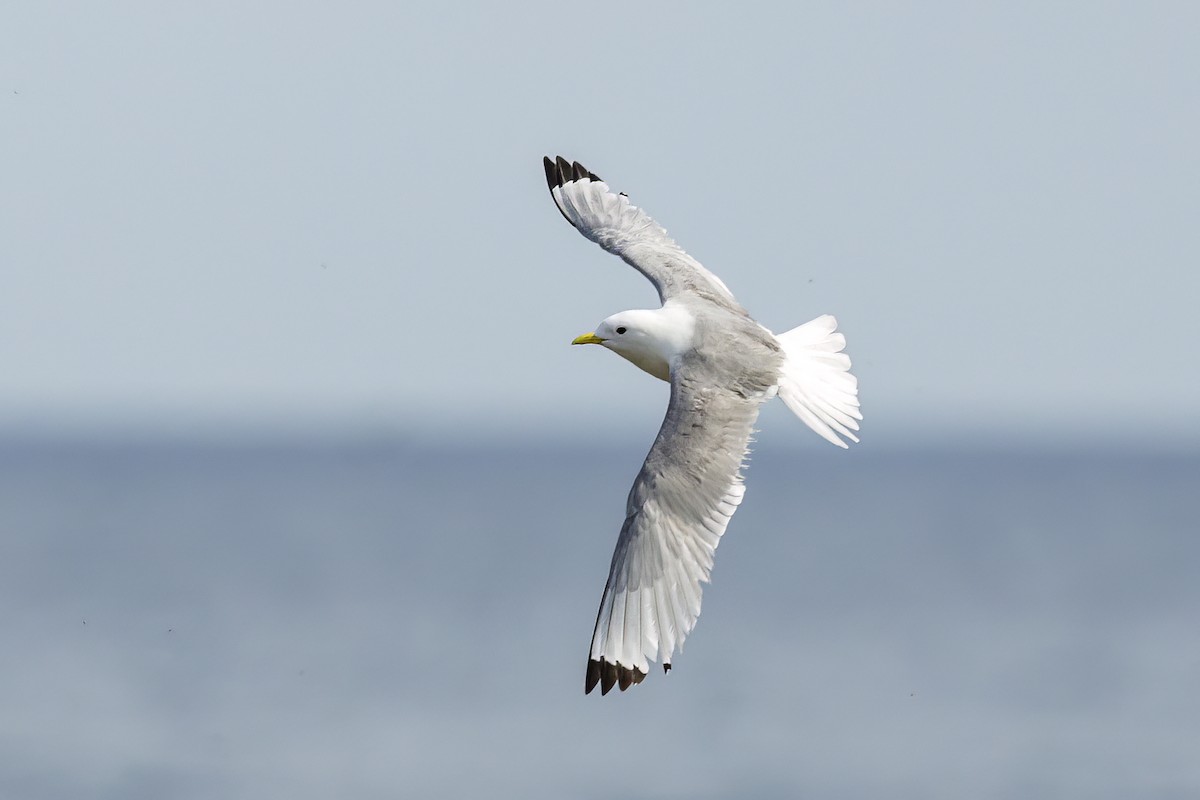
678 508
609 220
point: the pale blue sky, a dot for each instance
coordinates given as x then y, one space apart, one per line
303 216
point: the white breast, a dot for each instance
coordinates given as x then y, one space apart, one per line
653 363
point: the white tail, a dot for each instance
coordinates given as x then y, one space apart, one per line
815 381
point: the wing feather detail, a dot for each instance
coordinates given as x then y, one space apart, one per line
679 507
611 221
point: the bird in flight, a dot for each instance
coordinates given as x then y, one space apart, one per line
722 365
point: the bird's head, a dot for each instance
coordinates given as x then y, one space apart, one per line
649 339
619 333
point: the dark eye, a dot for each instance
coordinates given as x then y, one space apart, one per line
621 329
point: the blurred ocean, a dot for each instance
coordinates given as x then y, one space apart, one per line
383 621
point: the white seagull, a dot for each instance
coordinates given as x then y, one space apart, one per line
722 365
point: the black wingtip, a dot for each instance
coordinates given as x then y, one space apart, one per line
560 171
666 667
608 675
593 676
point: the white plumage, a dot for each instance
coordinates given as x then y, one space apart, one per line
722 365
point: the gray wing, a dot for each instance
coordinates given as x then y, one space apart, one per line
609 220
679 506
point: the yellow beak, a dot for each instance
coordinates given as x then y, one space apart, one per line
587 338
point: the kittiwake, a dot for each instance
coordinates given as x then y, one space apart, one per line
722 365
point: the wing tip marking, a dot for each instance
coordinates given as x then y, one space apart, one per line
607 674
560 171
